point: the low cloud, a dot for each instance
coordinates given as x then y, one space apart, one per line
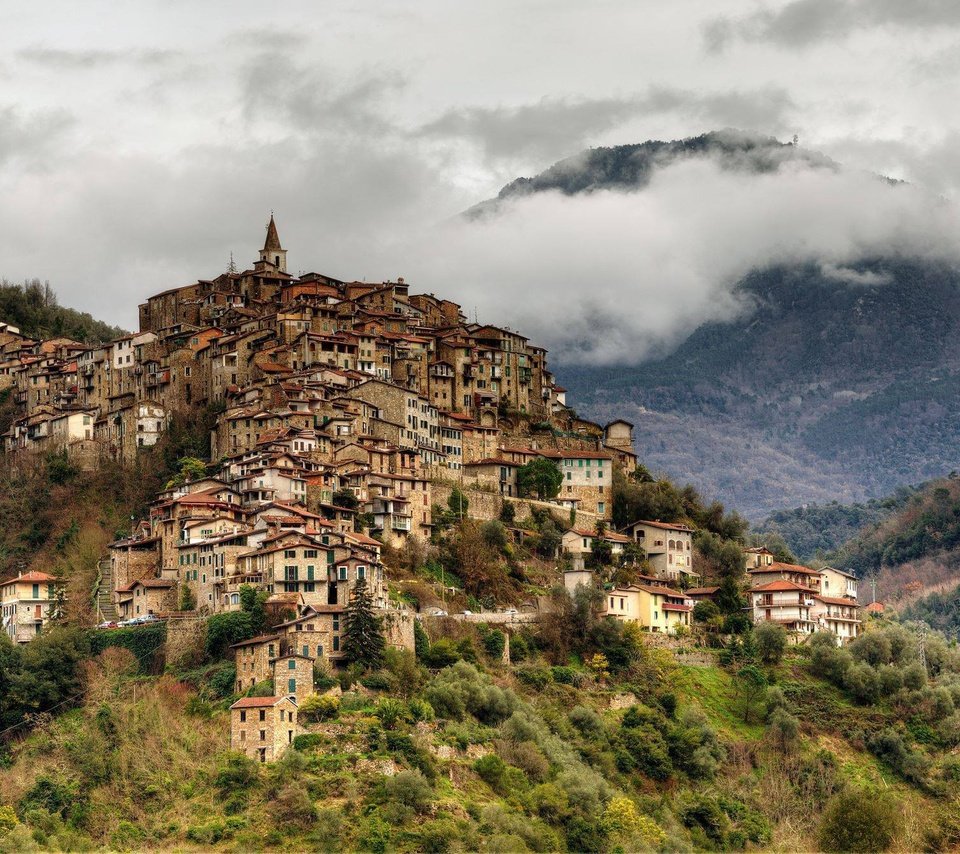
850 276
804 22
553 127
615 277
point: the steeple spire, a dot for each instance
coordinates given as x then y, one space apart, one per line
273 253
272 243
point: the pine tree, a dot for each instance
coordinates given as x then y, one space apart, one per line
363 630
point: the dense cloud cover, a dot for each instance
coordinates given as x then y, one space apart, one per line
611 276
138 156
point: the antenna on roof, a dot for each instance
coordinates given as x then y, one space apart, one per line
231 267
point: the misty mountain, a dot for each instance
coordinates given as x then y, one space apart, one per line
836 383
630 167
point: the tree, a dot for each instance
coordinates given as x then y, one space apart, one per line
254 603
458 504
363 642
345 498
508 513
751 685
540 477
188 469
771 641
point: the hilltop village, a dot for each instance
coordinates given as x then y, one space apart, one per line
344 416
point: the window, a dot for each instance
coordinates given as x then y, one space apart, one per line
291 686
292 664
361 572
263 714
243 716
336 644
283 715
263 734
290 553
243 735
270 651
343 573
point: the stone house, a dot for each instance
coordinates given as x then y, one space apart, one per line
146 596
263 727
668 546
293 675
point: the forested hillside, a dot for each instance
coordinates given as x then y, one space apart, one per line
816 530
33 308
831 386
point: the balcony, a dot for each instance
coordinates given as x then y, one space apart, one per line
400 523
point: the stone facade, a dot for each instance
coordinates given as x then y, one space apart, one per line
263 727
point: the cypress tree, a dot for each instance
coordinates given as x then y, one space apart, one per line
363 630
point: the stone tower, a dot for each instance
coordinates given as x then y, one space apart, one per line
272 253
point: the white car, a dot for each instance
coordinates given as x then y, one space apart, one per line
510 611
468 613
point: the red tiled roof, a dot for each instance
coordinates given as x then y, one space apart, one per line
702 591
670 606
259 702
835 600
30 578
780 584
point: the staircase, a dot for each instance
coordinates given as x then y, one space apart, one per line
103 596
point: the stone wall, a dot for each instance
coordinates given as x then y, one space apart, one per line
485 504
398 628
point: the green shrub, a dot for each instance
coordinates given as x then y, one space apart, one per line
587 721
222 631
566 676
410 789
420 710
495 642
859 820
379 681
390 711
319 707
536 677
490 769
462 688
238 772
307 742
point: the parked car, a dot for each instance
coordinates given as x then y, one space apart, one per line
439 612
468 613
509 610
108 624
148 618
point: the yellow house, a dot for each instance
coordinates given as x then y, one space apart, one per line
656 608
27 602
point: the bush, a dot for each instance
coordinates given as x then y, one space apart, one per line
490 769
859 820
587 721
222 631
566 676
495 642
462 688
873 648
319 707
863 682
237 773
536 677
889 746
307 742
390 711
378 682
410 789
292 807
420 710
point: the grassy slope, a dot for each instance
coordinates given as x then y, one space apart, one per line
149 767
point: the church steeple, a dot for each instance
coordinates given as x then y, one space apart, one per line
273 253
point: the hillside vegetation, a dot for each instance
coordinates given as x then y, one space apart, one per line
33 308
587 740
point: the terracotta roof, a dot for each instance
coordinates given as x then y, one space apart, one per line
702 591
836 600
784 567
670 606
780 584
612 536
260 702
31 578
875 608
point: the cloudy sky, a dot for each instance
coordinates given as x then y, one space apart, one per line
141 143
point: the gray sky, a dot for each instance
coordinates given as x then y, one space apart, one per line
141 143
